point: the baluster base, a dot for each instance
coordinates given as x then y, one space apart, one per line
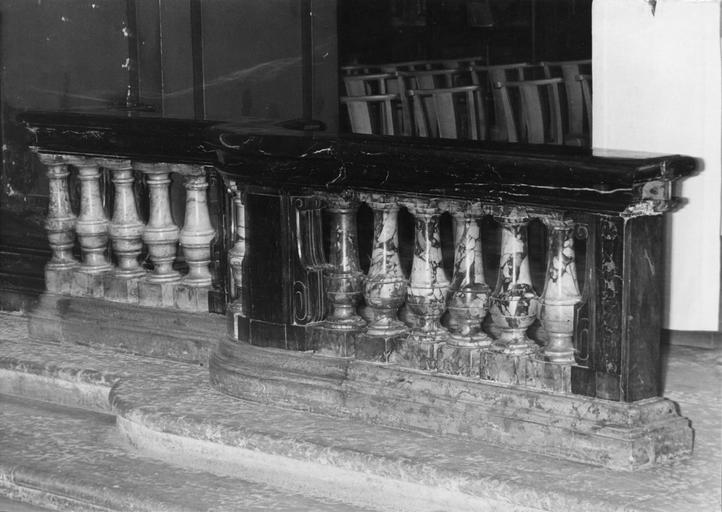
479 340
515 342
385 324
559 348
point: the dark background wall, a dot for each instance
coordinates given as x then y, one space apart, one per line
106 55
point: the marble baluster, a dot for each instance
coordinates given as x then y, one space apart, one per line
197 232
160 234
561 292
237 253
428 284
385 285
60 222
514 303
468 292
126 228
344 281
92 226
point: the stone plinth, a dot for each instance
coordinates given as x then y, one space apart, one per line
417 354
332 342
191 298
122 289
87 284
158 332
378 349
617 435
156 295
59 280
531 371
454 360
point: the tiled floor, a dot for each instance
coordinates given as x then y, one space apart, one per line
81 451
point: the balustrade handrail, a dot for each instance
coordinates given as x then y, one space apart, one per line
564 177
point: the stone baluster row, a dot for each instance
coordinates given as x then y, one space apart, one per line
428 293
128 281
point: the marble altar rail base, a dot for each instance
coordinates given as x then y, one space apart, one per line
525 370
616 435
157 332
134 290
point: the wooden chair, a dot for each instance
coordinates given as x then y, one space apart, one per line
380 84
535 109
361 84
577 112
503 125
450 113
373 114
586 82
429 79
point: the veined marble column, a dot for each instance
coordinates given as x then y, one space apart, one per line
92 224
60 220
237 253
160 234
514 303
197 232
468 292
126 227
561 292
385 286
345 278
428 284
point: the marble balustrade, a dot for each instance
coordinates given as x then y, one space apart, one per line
122 257
437 312
428 317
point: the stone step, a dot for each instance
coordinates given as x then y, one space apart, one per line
167 414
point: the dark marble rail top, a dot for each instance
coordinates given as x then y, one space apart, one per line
259 152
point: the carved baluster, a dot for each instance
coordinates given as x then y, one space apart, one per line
385 286
60 220
468 293
345 277
514 303
237 253
197 232
92 224
160 234
561 292
428 284
126 227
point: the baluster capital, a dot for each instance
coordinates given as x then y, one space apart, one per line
466 209
376 201
423 207
115 164
512 215
343 201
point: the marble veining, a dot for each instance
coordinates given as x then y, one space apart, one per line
561 293
428 284
385 285
514 304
